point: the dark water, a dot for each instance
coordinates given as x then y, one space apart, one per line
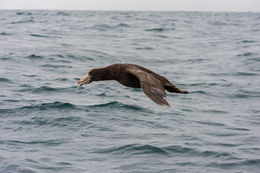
49 124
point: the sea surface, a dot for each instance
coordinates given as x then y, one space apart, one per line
48 124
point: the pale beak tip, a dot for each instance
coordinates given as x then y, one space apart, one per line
84 80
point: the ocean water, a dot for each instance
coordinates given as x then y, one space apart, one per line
49 124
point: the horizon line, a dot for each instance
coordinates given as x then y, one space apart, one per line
213 11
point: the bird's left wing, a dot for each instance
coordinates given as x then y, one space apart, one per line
151 86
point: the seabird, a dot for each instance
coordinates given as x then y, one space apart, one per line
135 76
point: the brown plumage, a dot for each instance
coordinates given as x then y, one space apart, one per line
135 76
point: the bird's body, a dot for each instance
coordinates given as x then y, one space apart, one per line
135 76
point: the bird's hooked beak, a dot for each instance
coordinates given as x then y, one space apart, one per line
85 80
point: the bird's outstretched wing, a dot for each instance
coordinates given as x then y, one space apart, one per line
151 86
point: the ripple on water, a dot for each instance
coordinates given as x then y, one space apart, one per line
244 94
23 13
56 66
123 25
68 106
23 21
245 74
248 41
134 149
54 142
62 13
156 29
253 163
119 105
42 106
79 57
5 34
33 56
5 80
246 54
210 123
38 35
53 122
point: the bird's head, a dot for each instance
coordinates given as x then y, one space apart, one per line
93 75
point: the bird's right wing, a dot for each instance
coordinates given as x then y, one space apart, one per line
151 86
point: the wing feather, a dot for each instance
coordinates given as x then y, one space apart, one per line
151 86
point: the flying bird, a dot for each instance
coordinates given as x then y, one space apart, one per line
135 76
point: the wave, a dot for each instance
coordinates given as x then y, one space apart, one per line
242 94
5 33
5 80
246 54
210 123
215 111
47 143
45 89
195 60
33 56
253 163
136 149
62 79
105 27
38 35
245 74
62 13
179 149
58 60
41 107
58 55
30 75
218 74
53 122
248 41
217 23
216 154
257 59
199 92
68 106
23 13
65 121
119 105
123 25
238 128
204 84
156 29
80 57
102 27
195 152
55 105
162 36
56 66
239 73
23 21
144 48
11 100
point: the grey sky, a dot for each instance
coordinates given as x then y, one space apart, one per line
171 5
